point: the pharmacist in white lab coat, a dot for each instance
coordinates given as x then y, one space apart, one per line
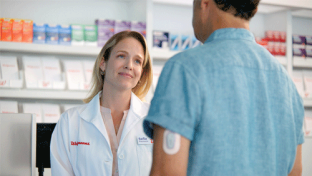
105 136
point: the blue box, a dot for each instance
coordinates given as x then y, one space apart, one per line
174 42
39 33
185 42
65 35
52 34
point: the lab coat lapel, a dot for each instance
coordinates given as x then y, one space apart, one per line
136 112
93 115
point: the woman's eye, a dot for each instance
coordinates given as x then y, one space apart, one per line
121 56
138 61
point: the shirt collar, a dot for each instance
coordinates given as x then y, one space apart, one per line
231 33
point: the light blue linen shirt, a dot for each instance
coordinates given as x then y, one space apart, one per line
235 103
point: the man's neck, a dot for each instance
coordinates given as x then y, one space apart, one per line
225 20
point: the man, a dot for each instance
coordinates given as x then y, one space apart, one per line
227 107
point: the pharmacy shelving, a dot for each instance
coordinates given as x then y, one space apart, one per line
43 94
307 102
302 63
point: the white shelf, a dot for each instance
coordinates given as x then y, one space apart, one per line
51 49
43 94
302 63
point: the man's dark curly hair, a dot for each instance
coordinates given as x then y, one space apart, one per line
245 9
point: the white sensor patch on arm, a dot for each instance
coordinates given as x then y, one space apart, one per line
171 142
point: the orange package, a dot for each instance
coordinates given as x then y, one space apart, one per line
6 33
1 19
27 31
17 30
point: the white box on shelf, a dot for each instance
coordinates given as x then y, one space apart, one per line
10 76
74 74
307 78
161 40
298 80
8 107
88 70
308 123
53 77
33 108
33 71
51 113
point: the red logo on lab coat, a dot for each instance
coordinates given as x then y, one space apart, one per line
79 143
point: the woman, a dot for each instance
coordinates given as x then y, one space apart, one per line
105 136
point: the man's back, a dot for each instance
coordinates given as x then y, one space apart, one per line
248 112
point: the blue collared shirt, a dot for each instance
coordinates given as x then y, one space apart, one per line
235 103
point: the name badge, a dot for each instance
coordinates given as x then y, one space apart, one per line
144 140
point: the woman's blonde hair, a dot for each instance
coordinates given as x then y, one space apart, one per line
145 82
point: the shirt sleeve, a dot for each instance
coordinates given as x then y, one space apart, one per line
298 111
176 102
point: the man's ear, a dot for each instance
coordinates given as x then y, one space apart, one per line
102 64
204 4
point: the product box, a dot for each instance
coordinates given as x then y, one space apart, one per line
33 108
139 27
175 42
283 36
51 113
185 42
6 33
51 69
77 34
269 35
299 39
195 42
8 107
74 74
64 34
161 40
283 49
9 68
39 33
87 70
1 21
299 51
90 35
308 123
52 34
307 78
309 40
106 29
298 81
27 35
276 36
122 26
309 53
33 71
17 30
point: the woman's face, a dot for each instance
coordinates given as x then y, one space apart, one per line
123 69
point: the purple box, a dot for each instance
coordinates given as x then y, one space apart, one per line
106 30
309 40
122 26
139 27
299 39
300 52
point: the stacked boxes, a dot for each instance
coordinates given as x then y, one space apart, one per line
64 35
39 33
302 47
106 29
122 26
139 27
17 30
27 35
90 35
6 33
52 33
77 34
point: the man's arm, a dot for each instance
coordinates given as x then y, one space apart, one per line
166 161
297 169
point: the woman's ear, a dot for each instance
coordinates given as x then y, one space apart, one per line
102 64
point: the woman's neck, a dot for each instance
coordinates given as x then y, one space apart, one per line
115 100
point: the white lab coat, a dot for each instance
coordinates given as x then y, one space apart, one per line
84 125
